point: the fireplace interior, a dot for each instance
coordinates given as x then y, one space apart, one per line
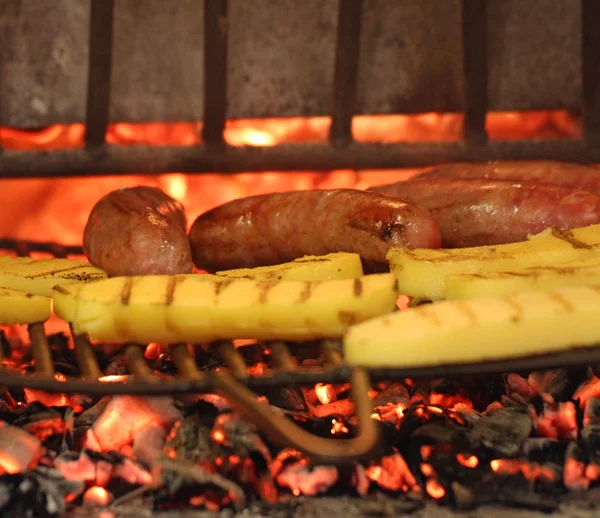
219 99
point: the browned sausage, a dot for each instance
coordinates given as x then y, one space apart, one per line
275 228
138 231
477 212
577 176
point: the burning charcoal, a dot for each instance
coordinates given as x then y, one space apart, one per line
342 407
288 398
190 438
391 473
148 443
38 494
239 436
502 431
19 450
89 417
99 468
301 479
544 450
575 464
558 420
124 416
179 476
97 495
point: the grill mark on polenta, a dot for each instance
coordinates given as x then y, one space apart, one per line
427 314
62 290
347 318
567 235
126 290
357 287
516 306
221 285
466 310
562 301
265 288
53 272
172 284
306 292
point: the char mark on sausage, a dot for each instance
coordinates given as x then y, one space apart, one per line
474 212
138 231
275 228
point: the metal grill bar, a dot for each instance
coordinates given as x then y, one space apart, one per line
590 47
99 72
215 71
304 377
346 71
120 160
474 26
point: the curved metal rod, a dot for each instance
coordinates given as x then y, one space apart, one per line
287 434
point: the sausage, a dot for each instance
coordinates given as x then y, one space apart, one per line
577 176
274 228
477 212
138 231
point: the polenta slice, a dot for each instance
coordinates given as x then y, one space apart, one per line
193 309
422 273
537 278
20 307
39 276
450 332
329 267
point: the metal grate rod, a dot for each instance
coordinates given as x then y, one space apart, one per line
345 78
590 58
99 72
216 31
474 30
40 350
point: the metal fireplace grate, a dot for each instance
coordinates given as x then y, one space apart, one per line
342 151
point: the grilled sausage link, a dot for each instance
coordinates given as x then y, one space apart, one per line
275 228
138 231
578 176
484 212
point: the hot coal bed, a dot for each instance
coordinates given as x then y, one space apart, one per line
183 436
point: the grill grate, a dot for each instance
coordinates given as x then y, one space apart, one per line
237 386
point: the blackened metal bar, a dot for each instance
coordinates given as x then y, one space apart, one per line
337 375
40 350
345 79
23 248
86 357
186 366
136 362
232 358
332 353
215 71
590 69
58 251
99 72
474 31
282 356
122 160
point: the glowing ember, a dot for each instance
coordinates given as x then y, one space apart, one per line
435 489
470 462
98 496
338 427
325 393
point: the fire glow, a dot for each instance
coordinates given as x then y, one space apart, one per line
26 204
